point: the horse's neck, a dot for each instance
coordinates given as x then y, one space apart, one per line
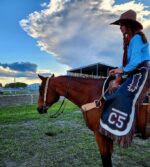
79 91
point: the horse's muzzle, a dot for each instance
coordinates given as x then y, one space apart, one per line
42 110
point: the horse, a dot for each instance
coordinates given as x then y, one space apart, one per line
80 91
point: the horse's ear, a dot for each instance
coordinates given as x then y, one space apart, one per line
40 76
52 76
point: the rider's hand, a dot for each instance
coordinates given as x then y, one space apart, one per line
115 71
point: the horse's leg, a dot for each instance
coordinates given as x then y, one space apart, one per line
105 146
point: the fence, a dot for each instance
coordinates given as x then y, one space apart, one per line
23 99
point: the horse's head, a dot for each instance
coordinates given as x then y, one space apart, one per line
47 94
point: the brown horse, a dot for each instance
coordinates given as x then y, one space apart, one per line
81 91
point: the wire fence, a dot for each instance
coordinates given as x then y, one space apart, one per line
18 99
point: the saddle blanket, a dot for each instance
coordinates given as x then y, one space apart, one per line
117 119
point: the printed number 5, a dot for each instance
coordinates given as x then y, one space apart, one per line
119 122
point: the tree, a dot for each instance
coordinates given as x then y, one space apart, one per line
1 85
16 85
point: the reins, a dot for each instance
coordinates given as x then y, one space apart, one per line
59 111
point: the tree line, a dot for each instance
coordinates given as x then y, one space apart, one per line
15 85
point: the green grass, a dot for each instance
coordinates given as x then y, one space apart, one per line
69 143
26 113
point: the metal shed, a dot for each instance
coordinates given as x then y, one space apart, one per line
95 70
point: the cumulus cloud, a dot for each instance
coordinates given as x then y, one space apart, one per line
77 32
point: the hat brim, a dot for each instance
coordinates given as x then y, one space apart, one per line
128 21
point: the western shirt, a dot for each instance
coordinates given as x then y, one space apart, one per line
137 53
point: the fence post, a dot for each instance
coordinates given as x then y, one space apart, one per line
31 98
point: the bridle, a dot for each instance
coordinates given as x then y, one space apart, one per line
45 93
45 107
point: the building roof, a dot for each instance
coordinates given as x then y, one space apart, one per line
92 69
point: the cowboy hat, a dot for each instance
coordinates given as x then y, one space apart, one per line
129 17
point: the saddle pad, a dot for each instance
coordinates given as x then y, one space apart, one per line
117 120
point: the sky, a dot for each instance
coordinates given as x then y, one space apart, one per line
53 36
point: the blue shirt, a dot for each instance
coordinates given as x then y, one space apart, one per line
137 53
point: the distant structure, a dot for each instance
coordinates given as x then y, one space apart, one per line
98 70
33 87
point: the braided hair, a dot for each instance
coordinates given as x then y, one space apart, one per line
144 39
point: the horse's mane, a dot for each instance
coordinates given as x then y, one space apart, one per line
84 77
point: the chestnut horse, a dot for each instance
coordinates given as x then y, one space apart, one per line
81 91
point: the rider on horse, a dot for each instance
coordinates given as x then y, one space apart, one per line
118 114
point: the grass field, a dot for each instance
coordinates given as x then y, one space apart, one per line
24 143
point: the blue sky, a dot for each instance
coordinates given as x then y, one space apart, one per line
15 44
67 44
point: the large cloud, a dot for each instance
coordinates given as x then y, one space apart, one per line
77 32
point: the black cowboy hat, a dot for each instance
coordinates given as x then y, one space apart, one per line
129 17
